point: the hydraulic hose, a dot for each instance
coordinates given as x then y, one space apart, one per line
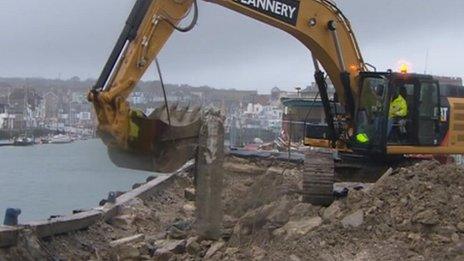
191 25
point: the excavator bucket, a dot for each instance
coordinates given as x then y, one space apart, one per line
165 142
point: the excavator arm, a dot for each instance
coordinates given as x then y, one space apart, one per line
151 142
164 140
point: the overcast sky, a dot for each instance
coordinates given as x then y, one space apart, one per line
52 38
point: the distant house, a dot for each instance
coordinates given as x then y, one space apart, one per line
78 97
23 104
4 116
312 91
51 106
80 114
271 117
138 98
254 109
272 112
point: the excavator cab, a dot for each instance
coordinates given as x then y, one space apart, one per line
380 125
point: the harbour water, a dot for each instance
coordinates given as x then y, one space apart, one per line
44 180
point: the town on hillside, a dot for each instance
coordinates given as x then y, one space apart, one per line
43 107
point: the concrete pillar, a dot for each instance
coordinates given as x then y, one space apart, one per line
209 176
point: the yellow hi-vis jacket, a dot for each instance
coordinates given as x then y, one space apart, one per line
398 107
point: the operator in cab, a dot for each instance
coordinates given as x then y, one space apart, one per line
368 118
398 112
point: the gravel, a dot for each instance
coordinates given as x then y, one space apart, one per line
414 213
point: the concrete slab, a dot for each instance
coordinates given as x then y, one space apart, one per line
63 225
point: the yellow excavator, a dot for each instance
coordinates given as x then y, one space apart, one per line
358 122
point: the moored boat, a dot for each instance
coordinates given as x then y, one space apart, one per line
23 141
60 139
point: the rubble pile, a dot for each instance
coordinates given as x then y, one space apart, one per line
410 213
414 213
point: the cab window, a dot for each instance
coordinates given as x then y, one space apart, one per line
428 100
429 113
371 109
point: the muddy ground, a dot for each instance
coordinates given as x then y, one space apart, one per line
414 213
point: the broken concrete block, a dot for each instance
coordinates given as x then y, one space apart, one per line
301 210
189 194
192 246
355 219
125 252
215 247
253 220
174 246
332 211
176 233
189 209
127 240
299 228
162 255
279 215
230 251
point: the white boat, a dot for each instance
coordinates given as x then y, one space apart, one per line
60 139
23 141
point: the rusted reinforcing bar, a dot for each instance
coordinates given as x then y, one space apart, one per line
67 224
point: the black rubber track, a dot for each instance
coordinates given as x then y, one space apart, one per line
318 179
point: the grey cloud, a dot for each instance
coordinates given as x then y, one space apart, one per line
226 50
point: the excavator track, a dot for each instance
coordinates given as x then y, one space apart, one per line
318 179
